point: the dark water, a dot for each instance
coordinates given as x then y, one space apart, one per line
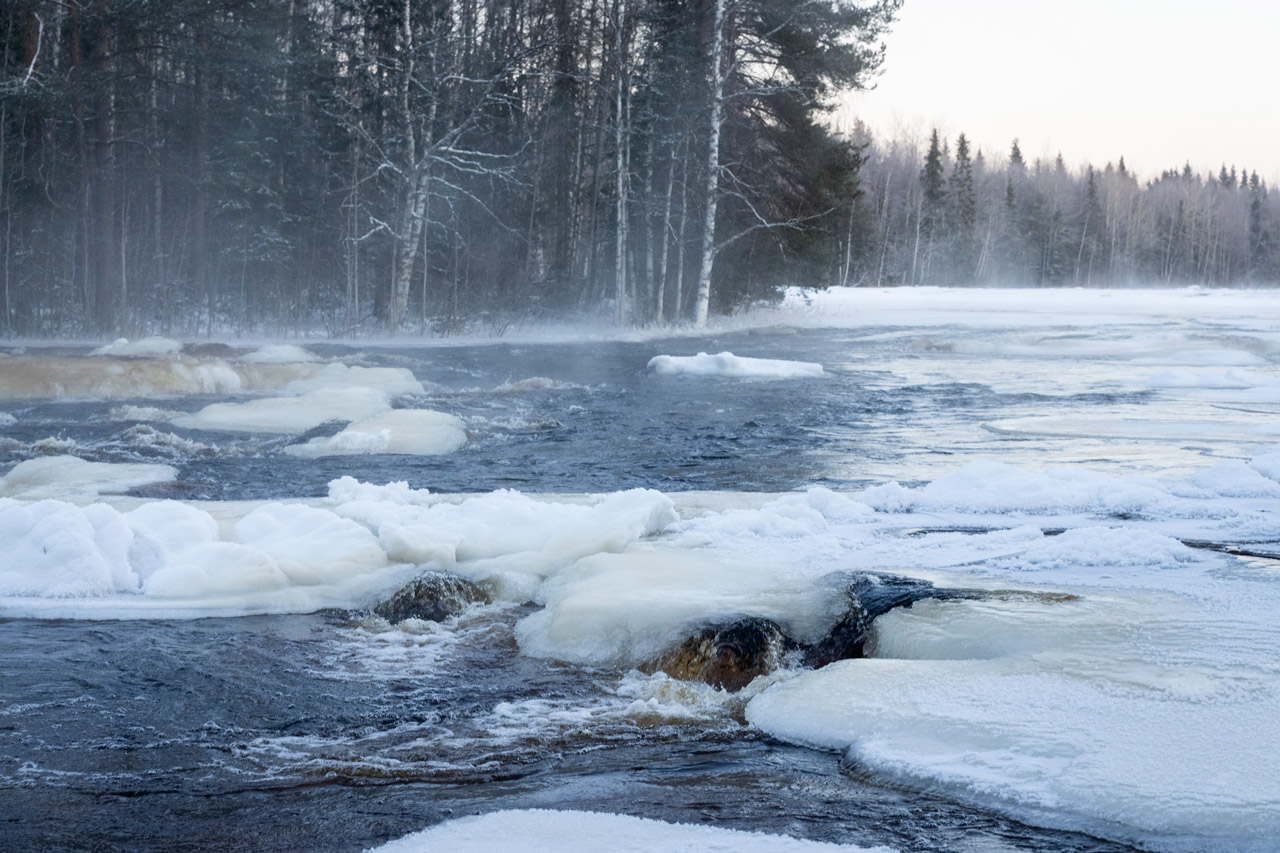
883 411
317 732
279 733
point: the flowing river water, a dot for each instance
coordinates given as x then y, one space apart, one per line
334 731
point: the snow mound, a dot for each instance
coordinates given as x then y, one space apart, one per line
417 432
730 365
549 831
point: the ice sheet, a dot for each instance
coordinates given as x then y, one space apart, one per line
555 830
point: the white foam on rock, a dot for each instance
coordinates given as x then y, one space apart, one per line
729 365
417 432
541 831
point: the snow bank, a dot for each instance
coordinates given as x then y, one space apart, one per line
553 830
153 347
418 432
1016 307
70 477
728 364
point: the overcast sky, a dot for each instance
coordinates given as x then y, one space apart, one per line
1157 81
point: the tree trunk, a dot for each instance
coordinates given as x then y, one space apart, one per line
703 304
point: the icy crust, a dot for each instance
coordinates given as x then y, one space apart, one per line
730 365
539 830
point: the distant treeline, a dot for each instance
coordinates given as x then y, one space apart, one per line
368 165
932 212
360 166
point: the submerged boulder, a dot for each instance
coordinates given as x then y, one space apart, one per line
726 656
434 596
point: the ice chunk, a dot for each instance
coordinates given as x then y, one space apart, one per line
285 415
70 476
623 609
279 354
548 832
728 364
418 432
153 347
391 381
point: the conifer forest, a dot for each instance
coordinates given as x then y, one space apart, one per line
359 167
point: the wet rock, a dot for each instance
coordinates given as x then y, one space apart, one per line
726 656
870 595
433 596
210 350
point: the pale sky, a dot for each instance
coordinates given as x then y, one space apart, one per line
1157 82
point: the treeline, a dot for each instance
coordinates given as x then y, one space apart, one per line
937 212
192 166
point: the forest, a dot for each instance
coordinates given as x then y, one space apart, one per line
359 167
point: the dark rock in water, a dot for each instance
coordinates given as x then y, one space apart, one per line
210 350
726 656
871 595
434 596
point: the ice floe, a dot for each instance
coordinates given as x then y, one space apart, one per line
730 365
418 432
